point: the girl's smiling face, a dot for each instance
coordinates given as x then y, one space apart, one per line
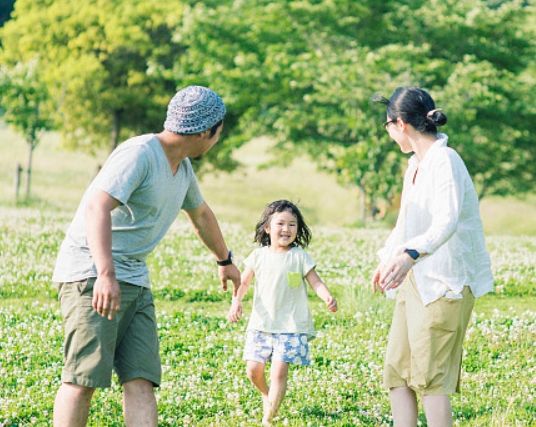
282 229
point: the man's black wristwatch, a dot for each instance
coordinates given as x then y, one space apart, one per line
413 254
227 261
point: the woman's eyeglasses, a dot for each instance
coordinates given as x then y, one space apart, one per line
387 123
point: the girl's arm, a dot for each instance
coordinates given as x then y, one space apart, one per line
235 312
320 288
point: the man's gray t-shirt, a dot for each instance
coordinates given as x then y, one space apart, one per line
137 174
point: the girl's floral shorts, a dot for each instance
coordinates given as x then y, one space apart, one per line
264 347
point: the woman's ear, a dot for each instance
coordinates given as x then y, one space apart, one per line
402 125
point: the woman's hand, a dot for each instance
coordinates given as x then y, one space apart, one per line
394 273
376 278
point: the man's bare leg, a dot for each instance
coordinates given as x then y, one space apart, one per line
139 404
71 407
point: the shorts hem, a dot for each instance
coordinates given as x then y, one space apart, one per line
141 375
292 363
84 381
435 391
391 385
252 359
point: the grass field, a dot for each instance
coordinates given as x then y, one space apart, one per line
204 379
204 382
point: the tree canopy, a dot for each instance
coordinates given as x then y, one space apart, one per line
24 97
105 62
301 72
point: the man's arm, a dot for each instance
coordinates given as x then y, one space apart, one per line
207 228
106 293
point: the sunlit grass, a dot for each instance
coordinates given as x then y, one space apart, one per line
204 381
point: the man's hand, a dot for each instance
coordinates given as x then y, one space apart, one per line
229 272
106 296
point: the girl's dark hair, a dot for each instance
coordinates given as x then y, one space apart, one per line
303 236
416 107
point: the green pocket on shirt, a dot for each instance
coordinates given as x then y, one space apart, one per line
294 279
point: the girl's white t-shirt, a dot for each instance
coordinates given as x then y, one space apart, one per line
280 302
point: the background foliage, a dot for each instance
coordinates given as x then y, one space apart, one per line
301 72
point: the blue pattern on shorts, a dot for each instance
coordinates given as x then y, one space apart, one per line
264 347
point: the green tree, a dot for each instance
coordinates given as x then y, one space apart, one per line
23 96
303 72
105 62
300 71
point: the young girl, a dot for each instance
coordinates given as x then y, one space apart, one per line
280 324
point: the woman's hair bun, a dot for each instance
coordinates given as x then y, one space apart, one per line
436 117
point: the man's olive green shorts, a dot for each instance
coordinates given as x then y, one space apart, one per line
424 351
94 345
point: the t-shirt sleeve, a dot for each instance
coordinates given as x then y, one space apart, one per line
307 263
193 198
123 172
250 261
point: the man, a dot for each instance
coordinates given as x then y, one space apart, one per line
101 272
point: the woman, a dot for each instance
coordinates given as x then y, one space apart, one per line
435 260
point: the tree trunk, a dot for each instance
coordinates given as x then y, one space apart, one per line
18 172
31 147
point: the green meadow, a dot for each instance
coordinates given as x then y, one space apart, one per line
204 381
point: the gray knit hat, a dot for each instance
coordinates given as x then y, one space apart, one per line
194 109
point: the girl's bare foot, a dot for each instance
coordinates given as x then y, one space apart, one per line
267 418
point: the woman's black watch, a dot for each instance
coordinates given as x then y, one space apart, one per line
413 254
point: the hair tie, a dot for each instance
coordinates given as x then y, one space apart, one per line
431 112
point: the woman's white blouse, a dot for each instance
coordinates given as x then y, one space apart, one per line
439 217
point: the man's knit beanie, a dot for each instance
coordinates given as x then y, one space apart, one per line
194 109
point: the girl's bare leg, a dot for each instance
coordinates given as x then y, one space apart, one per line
278 389
255 372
